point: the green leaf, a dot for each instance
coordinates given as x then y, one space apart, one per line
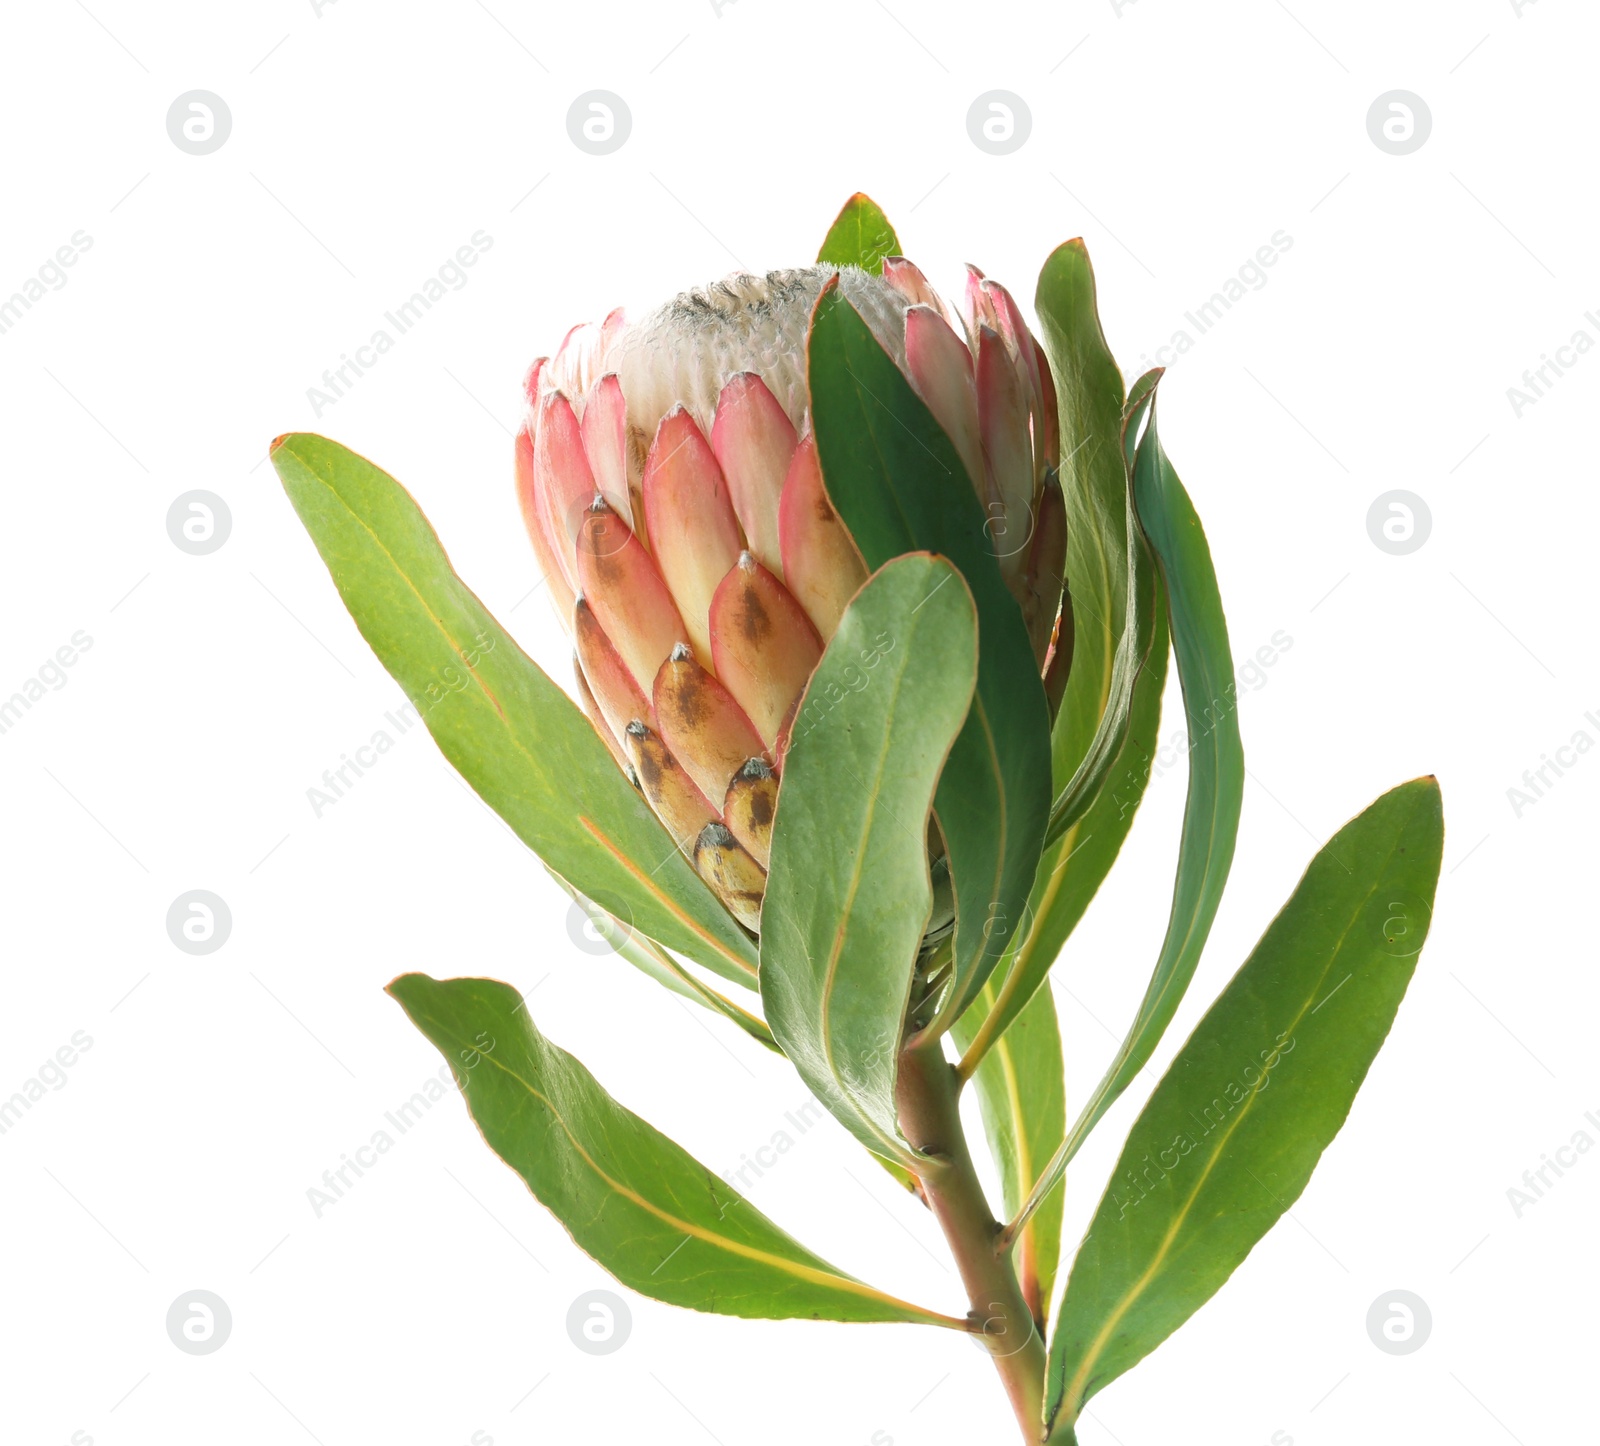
900 486
1141 395
1105 733
645 1209
1120 590
510 732
1216 770
1073 869
848 894
1022 1097
860 236
1216 755
1232 1133
650 959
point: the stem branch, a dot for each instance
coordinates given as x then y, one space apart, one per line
930 1118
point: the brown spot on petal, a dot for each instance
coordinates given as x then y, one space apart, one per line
692 701
750 617
749 806
701 723
763 646
648 766
671 793
733 875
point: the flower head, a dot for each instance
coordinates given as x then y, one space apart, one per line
672 491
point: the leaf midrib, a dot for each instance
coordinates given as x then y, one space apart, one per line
831 972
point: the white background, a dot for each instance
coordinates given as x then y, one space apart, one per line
367 144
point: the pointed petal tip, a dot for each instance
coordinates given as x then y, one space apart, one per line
716 835
731 872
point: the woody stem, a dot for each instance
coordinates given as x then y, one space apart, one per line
928 1093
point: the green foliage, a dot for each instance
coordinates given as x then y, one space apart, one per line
860 236
509 731
898 483
654 1216
927 703
1232 1133
1216 756
1105 733
848 895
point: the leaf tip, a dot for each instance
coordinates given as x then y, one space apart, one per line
403 984
827 299
1427 783
290 441
1074 250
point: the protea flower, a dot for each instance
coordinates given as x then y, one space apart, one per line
702 550
672 491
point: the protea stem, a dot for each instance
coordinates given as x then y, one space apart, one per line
930 1119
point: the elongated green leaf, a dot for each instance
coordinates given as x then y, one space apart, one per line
1216 772
651 960
1073 869
1022 1097
1216 755
510 732
1105 734
860 236
899 484
646 1210
1108 677
1232 1133
848 894
1103 547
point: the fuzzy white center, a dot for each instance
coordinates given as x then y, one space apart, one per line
686 350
